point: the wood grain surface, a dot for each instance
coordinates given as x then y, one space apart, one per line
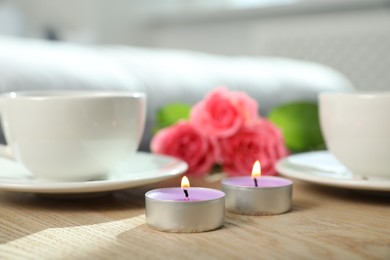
324 223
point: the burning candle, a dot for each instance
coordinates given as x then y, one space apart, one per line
186 209
256 194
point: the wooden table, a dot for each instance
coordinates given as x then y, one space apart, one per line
324 223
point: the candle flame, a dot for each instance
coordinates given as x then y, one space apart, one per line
185 183
256 170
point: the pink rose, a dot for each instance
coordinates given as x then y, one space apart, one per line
183 141
221 113
261 141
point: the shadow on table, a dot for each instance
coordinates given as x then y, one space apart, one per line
363 196
302 205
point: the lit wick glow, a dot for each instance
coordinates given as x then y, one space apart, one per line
256 172
185 183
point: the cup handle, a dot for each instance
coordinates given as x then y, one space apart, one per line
6 152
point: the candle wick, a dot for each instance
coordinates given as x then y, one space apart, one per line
255 182
186 193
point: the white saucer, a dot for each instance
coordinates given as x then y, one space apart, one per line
139 169
323 168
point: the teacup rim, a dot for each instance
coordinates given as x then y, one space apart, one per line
71 94
357 94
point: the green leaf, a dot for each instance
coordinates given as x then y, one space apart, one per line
300 125
171 114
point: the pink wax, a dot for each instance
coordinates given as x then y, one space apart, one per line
177 194
262 182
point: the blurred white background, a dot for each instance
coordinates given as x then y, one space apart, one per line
352 36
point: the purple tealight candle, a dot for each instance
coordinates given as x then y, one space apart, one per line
256 194
186 209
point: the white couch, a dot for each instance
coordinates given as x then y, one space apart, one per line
165 75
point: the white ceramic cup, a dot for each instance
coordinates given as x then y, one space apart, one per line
71 135
356 128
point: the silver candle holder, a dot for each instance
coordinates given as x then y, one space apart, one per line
272 196
170 209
